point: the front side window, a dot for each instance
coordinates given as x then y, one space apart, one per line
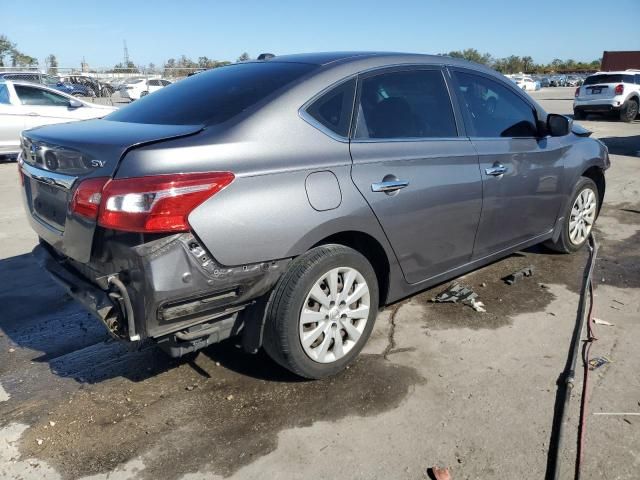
405 104
38 96
493 110
333 109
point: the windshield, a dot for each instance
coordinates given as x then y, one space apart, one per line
214 96
608 78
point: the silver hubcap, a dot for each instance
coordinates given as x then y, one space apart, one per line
334 314
583 214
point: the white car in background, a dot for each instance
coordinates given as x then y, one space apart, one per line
134 88
26 105
526 83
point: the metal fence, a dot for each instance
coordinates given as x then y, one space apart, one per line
102 83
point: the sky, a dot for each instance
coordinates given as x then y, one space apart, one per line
157 30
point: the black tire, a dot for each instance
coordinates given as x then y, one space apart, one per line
578 114
564 243
281 333
629 110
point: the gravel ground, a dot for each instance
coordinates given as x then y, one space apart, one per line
437 385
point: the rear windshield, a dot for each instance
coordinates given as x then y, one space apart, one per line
214 96
612 78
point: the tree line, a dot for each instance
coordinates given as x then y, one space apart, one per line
516 64
181 66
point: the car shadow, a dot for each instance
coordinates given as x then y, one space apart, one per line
623 145
43 323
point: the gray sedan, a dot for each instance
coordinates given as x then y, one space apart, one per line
284 201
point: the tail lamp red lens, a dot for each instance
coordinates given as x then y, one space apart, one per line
577 91
159 203
619 90
86 198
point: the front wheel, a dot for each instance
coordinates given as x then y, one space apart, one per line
580 217
322 311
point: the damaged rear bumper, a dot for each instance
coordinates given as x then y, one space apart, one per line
168 289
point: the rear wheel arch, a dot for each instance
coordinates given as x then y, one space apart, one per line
371 249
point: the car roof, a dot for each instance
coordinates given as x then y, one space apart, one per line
617 72
325 58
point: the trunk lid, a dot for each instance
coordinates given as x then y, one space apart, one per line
54 159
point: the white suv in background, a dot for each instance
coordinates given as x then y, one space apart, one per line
135 88
605 92
526 82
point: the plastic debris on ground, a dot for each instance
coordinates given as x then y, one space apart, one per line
598 321
437 473
515 276
458 293
598 362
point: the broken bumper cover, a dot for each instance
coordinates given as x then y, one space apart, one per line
168 289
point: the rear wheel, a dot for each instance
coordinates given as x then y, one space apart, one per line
578 114
322 311
580 217
629 110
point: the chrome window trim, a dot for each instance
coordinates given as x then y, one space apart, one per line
306 116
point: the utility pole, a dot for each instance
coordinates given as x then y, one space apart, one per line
126 54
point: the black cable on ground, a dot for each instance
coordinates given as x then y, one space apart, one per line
567 378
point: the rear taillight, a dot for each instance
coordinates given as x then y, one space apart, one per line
619 90
160 203
577 91
86 198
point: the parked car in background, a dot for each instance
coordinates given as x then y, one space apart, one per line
135 88
573 81
26 105
544 82
525 82
50 81
101 89
557 81
609 92
190 220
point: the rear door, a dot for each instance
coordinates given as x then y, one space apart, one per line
521 172
416 170
12 122
42 107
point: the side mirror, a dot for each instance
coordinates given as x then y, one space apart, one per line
558 125
73 103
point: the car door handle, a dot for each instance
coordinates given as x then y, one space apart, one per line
389 186
496 170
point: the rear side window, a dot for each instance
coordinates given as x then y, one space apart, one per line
4 94
493 110
405 104
608 78
333 109
214 96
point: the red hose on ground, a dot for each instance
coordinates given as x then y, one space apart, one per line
584 403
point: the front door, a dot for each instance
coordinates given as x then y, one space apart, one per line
419 176
521 172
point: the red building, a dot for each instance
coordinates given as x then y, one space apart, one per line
612 61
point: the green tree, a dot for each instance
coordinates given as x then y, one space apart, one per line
527 64
244 57
6 48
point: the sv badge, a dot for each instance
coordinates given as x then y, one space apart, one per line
97 163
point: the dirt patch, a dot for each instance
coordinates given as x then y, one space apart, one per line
619 261
502 301
202 414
